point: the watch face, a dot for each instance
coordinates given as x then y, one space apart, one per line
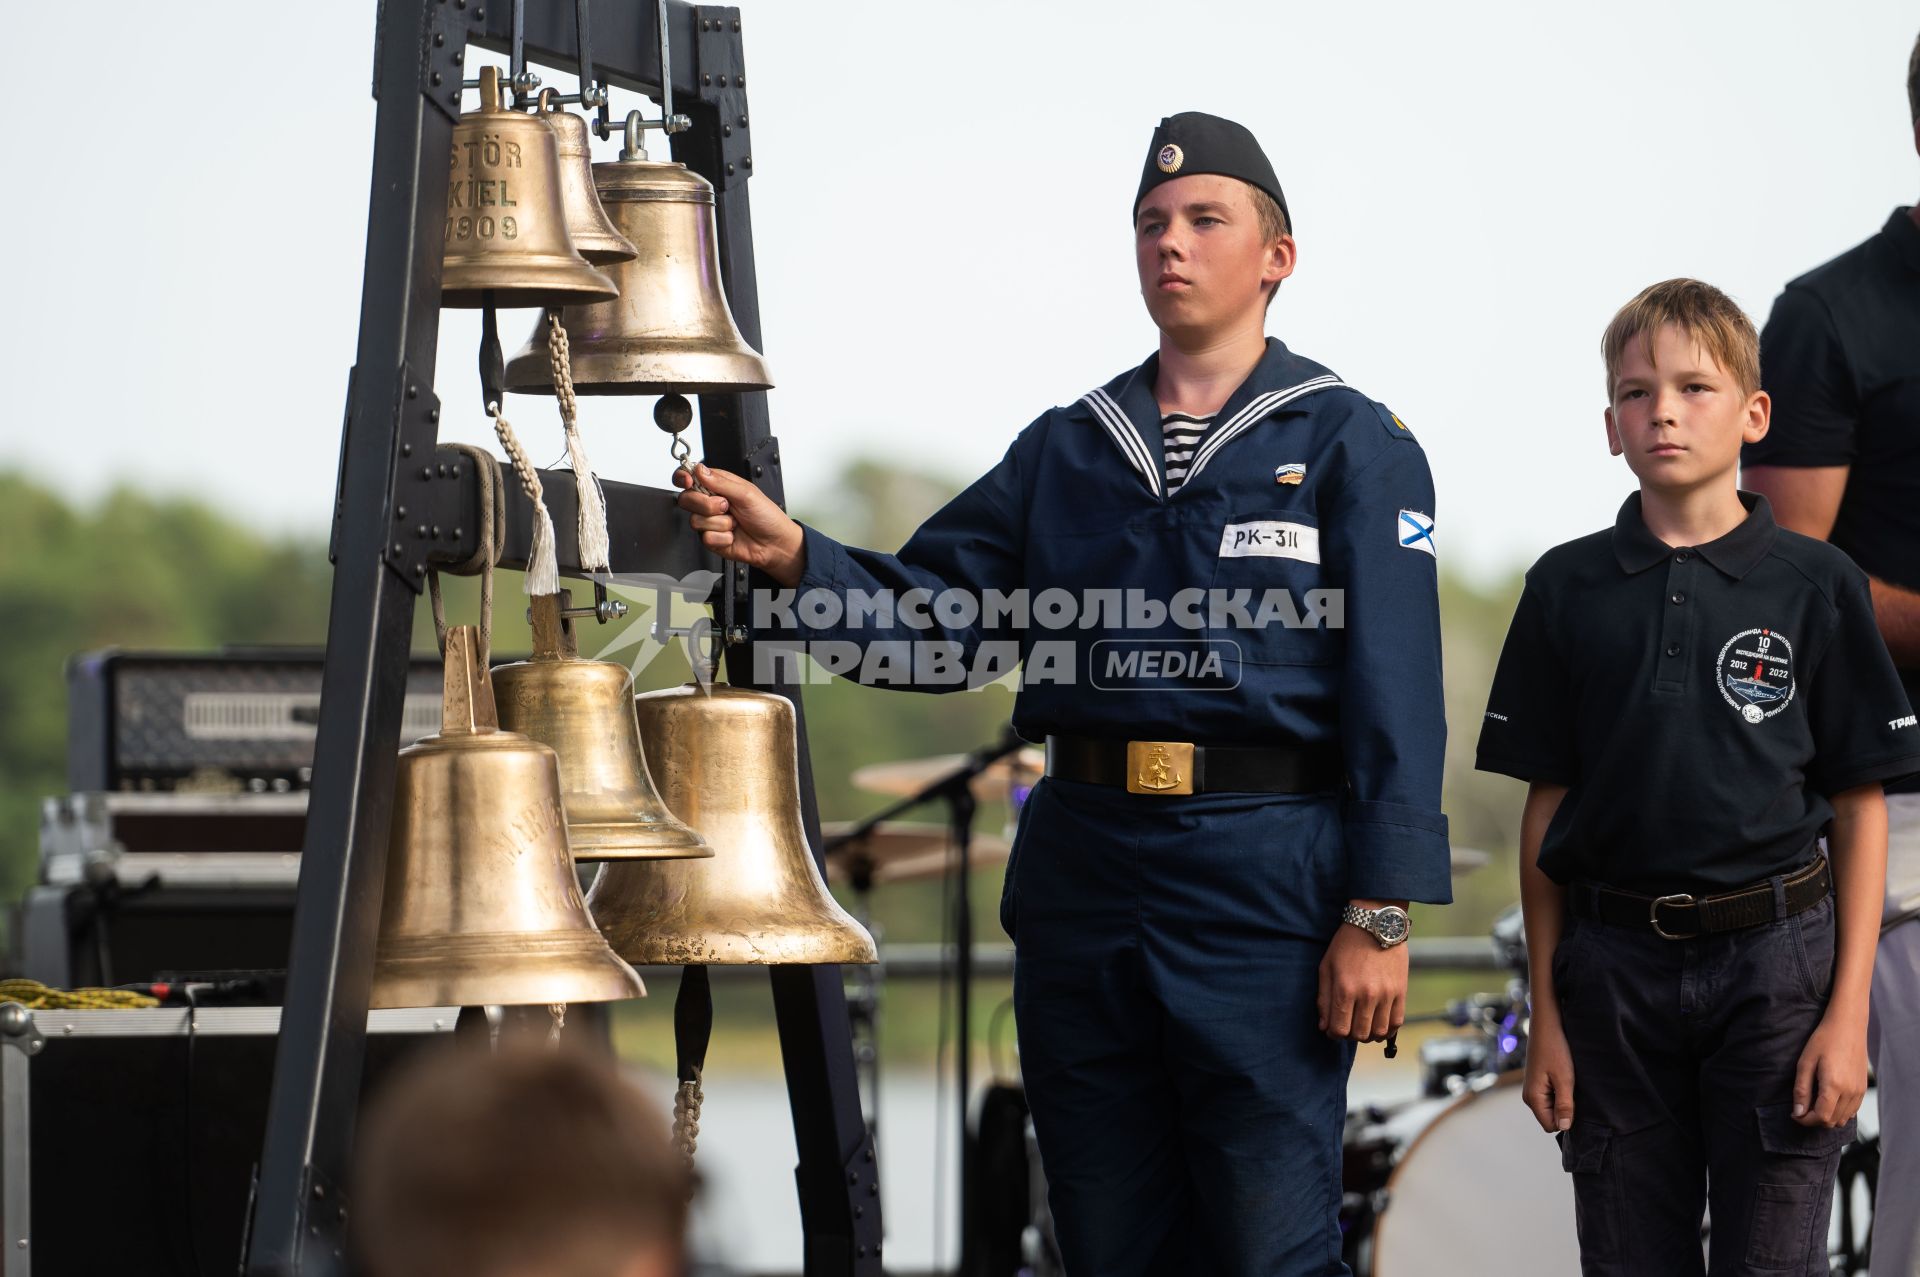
1390 925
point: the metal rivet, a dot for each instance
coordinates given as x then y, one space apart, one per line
853 1177
459 59
438 38
758 471
419 569
319 1190
421 532
426 472
726 130
480 15
454 470
413 392
406 450
740 81
748 161
436 530
729 170
859 1252
736 24
859 1211
396 547
869 1152
400 513
873 1190
435 77
706 79
433 414
743 121
722 81
455 536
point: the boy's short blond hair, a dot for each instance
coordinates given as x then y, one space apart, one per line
1699 310
1272 222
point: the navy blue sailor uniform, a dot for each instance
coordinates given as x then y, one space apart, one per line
1188 1110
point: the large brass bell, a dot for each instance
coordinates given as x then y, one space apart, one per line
482 906
506 219
587 225
584 710
670 330
726 763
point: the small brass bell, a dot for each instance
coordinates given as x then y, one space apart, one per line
670 330
584 710
482 906
593 235
727 764
506 218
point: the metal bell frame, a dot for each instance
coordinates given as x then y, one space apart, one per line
389 460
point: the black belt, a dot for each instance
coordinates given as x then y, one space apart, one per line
1680 916
1182 767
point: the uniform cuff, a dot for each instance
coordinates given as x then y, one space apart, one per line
826 561
1396 852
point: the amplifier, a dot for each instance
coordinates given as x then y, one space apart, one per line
129 1139
240 720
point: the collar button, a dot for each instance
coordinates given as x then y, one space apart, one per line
1678 596
1673 649
1682 556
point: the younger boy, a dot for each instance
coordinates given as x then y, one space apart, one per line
1694 697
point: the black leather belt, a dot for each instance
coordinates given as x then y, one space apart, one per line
1681 916
1182 767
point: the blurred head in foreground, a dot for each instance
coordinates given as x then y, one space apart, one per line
528 1163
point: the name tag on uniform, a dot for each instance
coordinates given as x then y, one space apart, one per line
1270 539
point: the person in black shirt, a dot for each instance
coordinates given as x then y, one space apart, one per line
1841 359
1693 696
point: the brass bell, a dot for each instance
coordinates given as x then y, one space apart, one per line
670 330
506 219
482 906
726 763
584 710
593 235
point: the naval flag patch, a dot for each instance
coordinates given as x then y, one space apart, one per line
1416 531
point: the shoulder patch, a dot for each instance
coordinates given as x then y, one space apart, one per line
1395 427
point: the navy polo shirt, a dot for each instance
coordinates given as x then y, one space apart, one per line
1700 702
1841 359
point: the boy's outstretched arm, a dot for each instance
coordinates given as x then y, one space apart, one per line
1548 1089
1832 1075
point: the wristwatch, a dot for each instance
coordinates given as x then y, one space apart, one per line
1390 925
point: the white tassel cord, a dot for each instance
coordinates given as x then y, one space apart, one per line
594 544
543 567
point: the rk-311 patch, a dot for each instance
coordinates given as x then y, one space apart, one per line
1755 673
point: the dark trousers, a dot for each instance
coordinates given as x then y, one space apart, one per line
1683 1061
1166 962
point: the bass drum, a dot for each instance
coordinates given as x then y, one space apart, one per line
1479 1191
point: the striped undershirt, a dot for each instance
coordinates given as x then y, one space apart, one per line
1180 435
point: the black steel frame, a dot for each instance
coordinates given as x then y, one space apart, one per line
389 463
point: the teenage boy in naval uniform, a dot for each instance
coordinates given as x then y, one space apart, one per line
1693 697
1244 753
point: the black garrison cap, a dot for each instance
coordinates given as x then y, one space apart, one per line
1195 142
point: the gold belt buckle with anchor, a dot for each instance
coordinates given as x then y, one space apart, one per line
1159 767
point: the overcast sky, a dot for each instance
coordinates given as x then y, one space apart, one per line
940 208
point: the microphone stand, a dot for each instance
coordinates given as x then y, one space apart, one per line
956 789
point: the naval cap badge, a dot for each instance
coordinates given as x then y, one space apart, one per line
1170 158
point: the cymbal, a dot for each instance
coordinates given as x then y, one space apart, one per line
911 775
906 851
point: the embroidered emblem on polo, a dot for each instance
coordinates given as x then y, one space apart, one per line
1755 673
1171 158
1292 472
1270 539
1416 532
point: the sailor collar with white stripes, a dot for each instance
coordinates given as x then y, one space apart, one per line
1280 378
